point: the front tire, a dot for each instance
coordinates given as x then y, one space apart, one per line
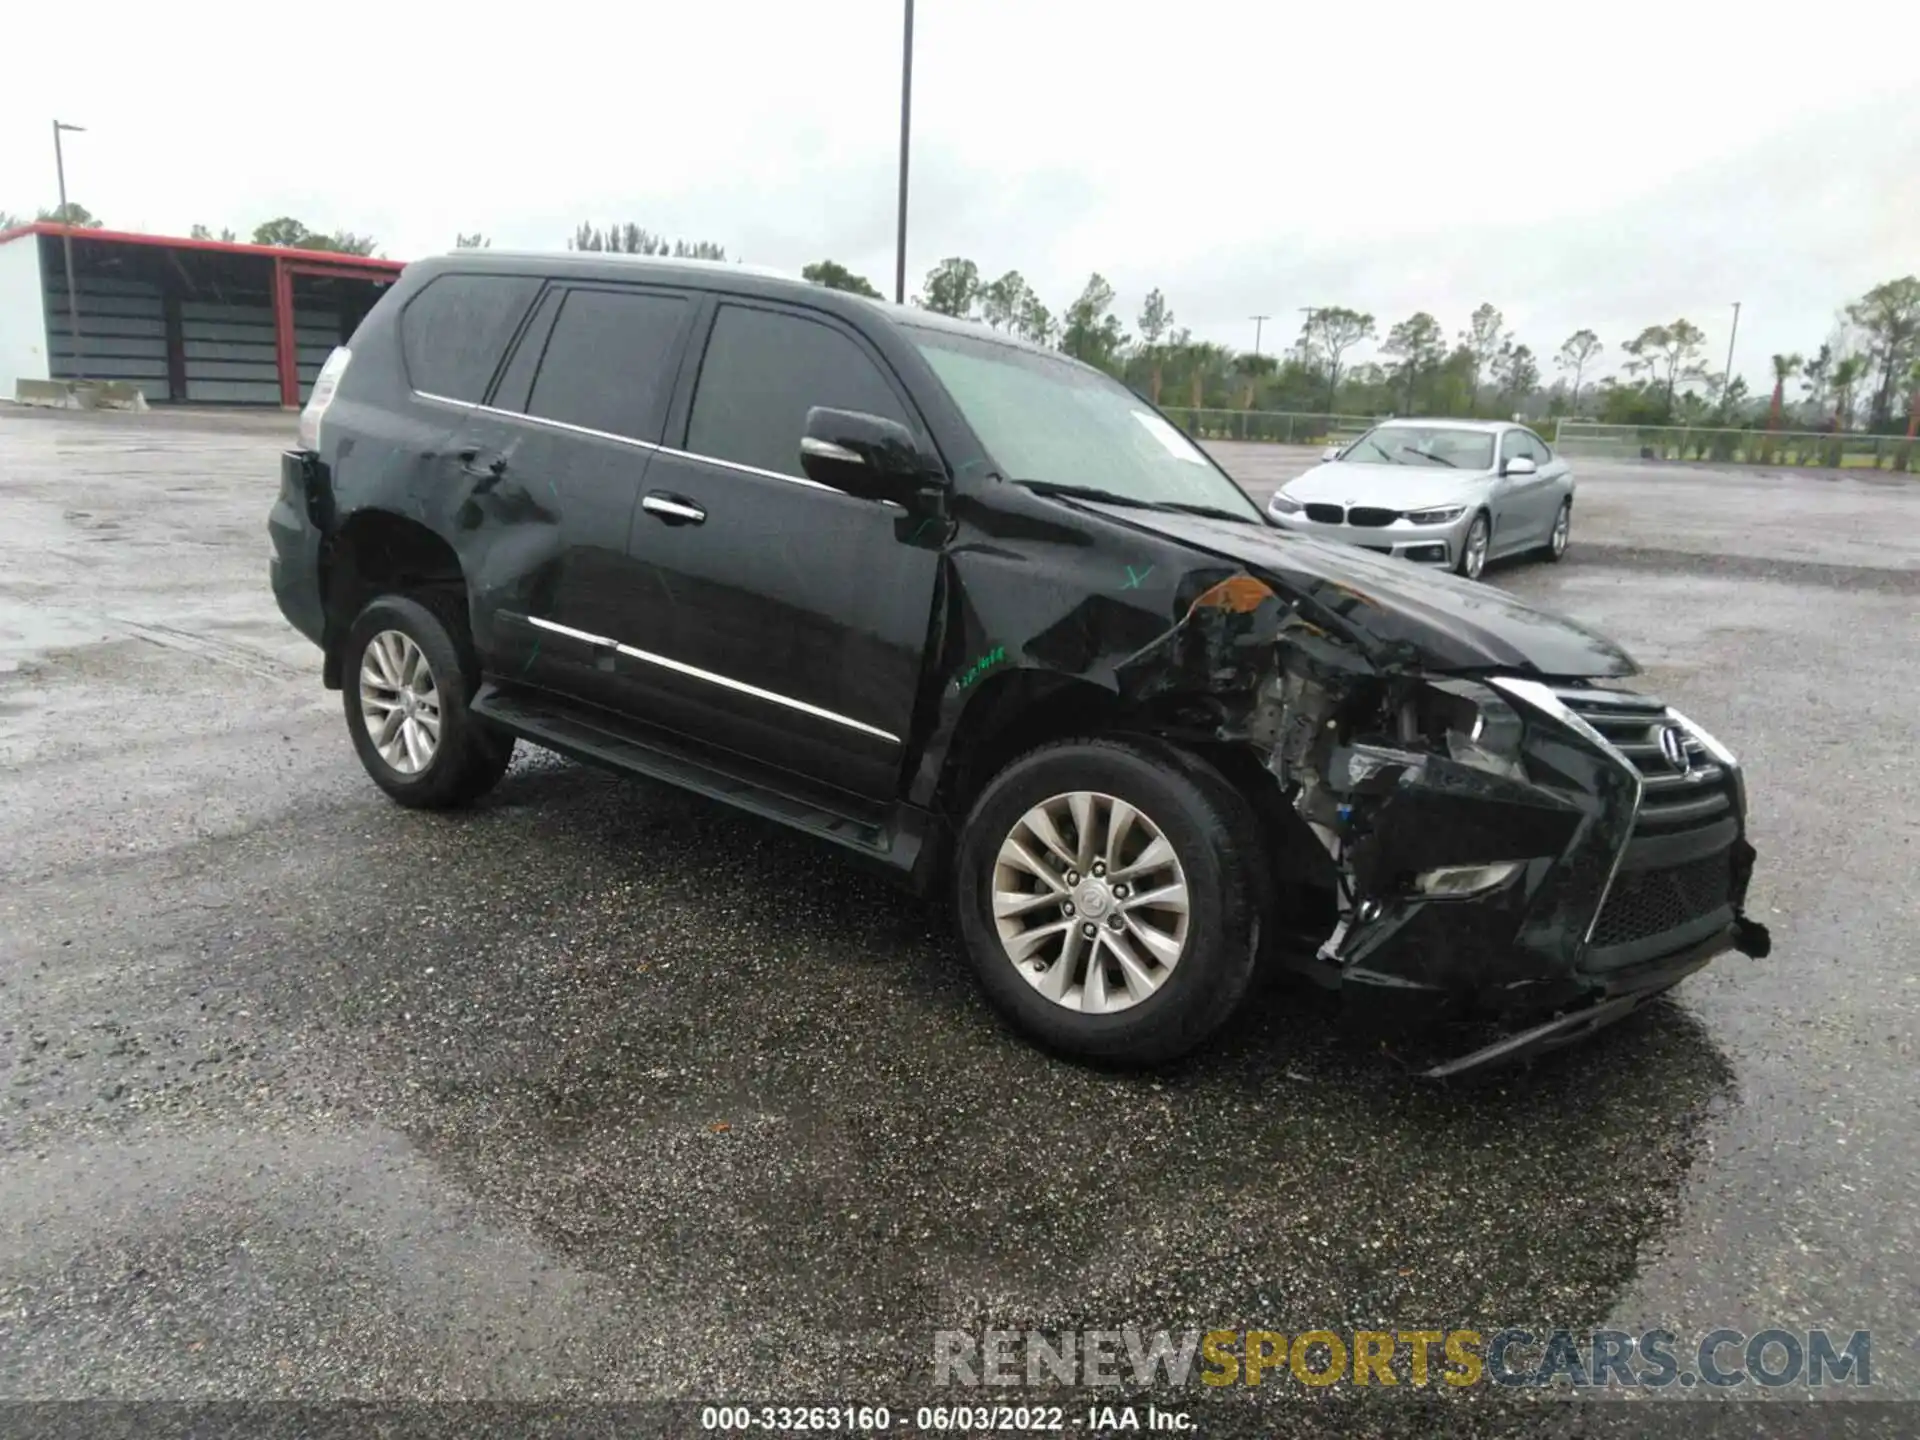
1107 898
1556 547
407 675
1473 551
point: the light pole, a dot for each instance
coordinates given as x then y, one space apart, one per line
66 244
906 121
1727 383
1258 321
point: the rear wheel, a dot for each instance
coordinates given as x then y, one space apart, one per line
1473 551
1106 898
409 673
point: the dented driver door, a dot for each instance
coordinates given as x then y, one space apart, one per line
557 463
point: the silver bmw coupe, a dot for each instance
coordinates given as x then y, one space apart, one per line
1452 493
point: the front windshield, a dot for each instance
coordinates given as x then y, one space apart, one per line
1444 447
1052 422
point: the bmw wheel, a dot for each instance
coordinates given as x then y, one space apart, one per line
1106 898
1556 546
1473 552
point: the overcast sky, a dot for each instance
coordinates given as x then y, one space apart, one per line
1636 164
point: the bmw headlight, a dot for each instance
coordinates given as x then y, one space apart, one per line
1441 515
1284 504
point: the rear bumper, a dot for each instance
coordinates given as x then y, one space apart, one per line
297 526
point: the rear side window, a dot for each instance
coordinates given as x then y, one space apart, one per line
763 371
608 364
453 333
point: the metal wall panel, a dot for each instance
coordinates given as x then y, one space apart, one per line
316 330
229 351
123 332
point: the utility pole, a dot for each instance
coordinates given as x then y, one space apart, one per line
1258 321
66 244
906 121
1727 382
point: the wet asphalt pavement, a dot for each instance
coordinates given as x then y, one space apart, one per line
601 1091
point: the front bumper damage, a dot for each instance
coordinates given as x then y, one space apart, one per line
1503 849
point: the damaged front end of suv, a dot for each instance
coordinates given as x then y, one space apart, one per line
1546 854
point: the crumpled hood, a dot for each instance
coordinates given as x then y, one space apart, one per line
1454 624
1395 487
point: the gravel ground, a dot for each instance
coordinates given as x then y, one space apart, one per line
599 1091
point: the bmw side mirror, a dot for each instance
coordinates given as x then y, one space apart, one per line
1519 465
1332 452
864 455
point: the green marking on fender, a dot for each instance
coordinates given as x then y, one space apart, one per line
980 667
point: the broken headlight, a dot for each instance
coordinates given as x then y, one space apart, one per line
1471 724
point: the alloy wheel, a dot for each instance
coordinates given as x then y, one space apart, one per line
400 702
1474 560
1090 902
1562 527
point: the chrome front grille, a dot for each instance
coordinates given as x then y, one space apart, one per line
1672 797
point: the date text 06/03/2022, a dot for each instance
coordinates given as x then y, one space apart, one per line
941 1419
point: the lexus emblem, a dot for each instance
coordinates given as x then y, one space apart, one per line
1673 746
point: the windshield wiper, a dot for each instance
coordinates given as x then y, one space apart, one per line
1436 459
1109 497
1085 492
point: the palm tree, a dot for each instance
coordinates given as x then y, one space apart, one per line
1203 358
1251 369
1846 374
1785 367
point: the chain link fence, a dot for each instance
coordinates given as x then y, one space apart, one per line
1279 427
1826 450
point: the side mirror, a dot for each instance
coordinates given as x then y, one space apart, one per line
1519 465
1332 452
864 455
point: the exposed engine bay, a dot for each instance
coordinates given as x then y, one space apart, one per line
1473 828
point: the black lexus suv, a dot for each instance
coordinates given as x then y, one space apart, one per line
980 614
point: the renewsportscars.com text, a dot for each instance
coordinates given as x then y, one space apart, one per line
1654 1359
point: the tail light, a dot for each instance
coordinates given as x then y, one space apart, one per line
324 386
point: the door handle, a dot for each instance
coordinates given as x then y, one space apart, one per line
673 509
